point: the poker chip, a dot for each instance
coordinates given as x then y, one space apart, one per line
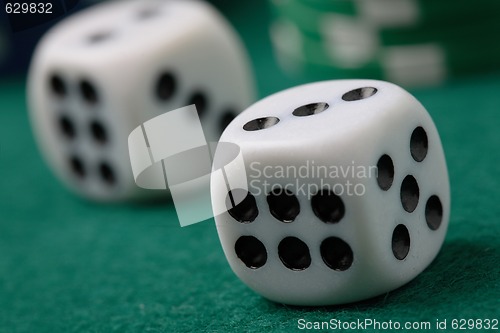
409 42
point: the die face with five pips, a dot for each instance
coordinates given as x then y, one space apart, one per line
348 193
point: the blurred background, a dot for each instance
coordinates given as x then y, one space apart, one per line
414 43
70 265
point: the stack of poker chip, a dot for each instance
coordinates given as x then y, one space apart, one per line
409 42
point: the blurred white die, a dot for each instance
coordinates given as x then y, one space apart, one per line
101 73
348 193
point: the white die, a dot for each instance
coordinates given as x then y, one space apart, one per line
101 73
310 238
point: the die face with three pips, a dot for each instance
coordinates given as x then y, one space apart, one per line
348 193
103 72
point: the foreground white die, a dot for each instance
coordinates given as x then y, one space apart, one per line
100 74
348 193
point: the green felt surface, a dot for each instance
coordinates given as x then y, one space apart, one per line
68 265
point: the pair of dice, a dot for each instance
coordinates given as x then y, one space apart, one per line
347 195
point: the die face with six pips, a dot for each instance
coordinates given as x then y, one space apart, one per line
101 73
348 194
